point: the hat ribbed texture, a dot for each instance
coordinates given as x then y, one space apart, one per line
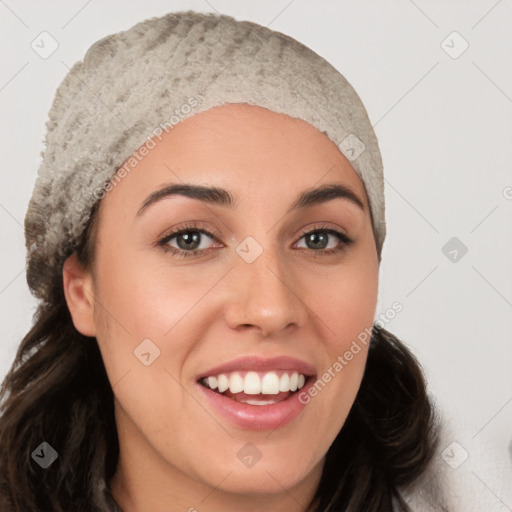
137 83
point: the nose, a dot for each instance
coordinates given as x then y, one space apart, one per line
265 295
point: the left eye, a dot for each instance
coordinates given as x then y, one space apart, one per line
319 237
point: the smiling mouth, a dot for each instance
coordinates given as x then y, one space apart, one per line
257 388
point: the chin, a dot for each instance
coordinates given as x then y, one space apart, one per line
260 482
264 478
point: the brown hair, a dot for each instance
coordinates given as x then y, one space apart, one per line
57 391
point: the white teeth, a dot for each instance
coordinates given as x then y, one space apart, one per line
236 383
293 381
223 383
258 402
212 382
284 382
252 384
270 384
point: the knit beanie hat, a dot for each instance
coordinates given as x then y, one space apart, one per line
133 85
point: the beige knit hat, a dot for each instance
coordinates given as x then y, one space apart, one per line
134 84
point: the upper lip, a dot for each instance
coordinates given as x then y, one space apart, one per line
261 364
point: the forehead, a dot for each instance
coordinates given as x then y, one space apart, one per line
257 154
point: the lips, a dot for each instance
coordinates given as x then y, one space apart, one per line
256 393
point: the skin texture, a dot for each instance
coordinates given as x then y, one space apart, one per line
176 452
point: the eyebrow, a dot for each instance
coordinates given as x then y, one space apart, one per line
222 197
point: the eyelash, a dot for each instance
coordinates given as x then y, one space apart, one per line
344 239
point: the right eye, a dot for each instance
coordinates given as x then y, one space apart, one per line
188 237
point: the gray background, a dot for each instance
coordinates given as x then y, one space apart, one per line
444 124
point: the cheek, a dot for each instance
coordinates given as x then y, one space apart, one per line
346 300
149 300
142 318
145 295
346 311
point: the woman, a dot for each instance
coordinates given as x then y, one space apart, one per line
204 238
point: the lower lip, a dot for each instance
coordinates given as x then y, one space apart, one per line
257 417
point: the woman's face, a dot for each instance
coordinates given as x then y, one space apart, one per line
259 295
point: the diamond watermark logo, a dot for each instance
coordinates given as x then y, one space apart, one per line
45 455
454 249
454 45
352 147
454 455
249 455
146 352
44 45
249 249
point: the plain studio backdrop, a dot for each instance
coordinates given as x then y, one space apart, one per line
436 79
